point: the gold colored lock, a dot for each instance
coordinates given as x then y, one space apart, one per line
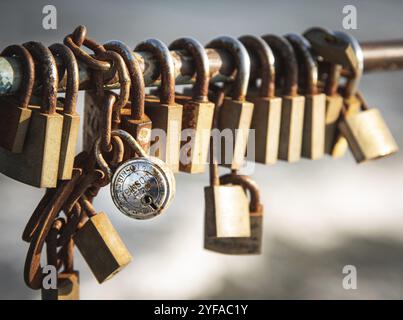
242 245
266 117
292 109
38 163
164 112
100 245
313 138
15 113
198 111
235 113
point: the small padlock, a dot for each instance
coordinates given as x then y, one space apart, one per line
133 118
71 119
292 108
313 137
141 188
14 111
266 117
242 245
235 114
38 163
164 112
198 111
100 244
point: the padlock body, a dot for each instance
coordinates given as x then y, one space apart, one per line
266 122
38 164
334 105
292 121
68 287
226 212
313 138
71 126
197 120
14 122
368 136
234 124
165 144
102 248
92 117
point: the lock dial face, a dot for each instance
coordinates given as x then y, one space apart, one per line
142 188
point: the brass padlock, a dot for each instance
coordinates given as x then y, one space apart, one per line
235 114
14 111
242 245
133 118
71 119
313 138
38 163
164 112
367 134
100 244
198 111
292 108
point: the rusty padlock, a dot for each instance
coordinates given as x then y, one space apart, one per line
292 108
15 113
266 117
164 112
313 138
198 111
235 114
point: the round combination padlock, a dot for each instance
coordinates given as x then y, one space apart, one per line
142 187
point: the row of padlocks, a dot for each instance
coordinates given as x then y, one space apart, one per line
303 102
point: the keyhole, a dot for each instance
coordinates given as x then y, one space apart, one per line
149 201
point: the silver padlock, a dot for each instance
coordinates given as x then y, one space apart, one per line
142 187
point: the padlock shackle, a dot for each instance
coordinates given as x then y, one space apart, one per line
202 65
73 80
242 62
167 68
302 49
284 52
333 78
266 61
52 255
49 75
137 92
28 72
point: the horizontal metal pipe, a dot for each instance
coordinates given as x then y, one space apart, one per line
378 56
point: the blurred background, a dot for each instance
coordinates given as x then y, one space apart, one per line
319 216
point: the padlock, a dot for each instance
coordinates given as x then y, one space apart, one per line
235 114
292 108
71 119
313 137
133 118
266 117
100 244
14 111
164 112
367 134
198 111
141 188
38 164
242 245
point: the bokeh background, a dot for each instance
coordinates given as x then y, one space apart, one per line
320 215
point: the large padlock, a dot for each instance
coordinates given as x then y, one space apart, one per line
71 119
14 111
292 108
266 117
38 164
235 114
367 134
164 112
100 244
242 245
134 120
198 111
313 138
